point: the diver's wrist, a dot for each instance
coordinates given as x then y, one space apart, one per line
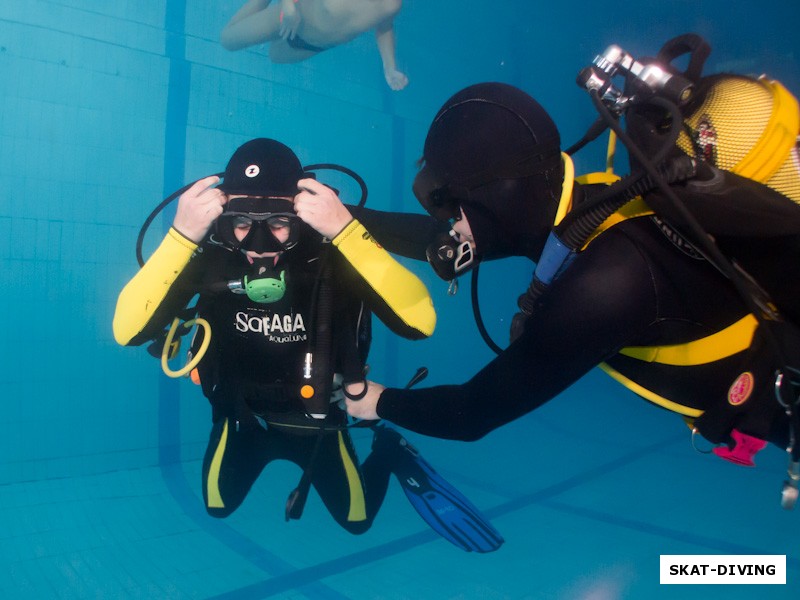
193 234
182 238
341 229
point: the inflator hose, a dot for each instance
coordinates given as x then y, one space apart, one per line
201 352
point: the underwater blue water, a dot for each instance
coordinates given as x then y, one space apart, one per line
107 107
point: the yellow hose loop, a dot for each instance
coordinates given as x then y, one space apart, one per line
196 358
611 152
565 204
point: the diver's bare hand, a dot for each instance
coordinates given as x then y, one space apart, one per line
396 79
290 19
198 208
320 207
367 407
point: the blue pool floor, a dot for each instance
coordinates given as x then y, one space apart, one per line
587 496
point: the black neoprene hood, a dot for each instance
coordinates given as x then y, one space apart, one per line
262 167
491 129
498 150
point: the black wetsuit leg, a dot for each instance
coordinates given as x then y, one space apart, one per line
237 452
352 494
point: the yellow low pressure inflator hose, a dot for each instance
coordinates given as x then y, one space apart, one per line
165 352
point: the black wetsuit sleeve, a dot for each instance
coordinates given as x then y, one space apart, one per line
405 234
604 300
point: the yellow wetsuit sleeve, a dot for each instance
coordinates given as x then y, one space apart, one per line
400 289
144 293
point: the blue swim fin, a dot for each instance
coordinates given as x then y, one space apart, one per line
441 505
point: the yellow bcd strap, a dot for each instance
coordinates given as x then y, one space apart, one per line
729 341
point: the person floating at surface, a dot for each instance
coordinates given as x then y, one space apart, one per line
291 340
638 299
299 29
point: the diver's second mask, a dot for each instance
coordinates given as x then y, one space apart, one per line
449 257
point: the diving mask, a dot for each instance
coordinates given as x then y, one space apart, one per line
448 256
438 200
251 224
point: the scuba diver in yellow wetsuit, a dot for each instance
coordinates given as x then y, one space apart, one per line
681 281
287 280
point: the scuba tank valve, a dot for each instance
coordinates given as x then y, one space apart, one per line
650 79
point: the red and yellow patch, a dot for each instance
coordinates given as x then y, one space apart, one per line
741 389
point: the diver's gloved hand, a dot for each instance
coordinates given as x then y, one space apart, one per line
367 407
289 19
319 206
198 208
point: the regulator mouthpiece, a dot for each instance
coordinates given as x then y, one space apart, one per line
261 287
449 257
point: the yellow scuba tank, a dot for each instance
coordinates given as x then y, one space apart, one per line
749 127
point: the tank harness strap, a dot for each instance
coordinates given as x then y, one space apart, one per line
649 395
733 339
635 208
727 342
597 178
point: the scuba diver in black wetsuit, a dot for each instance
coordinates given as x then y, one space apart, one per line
287 281
700 328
